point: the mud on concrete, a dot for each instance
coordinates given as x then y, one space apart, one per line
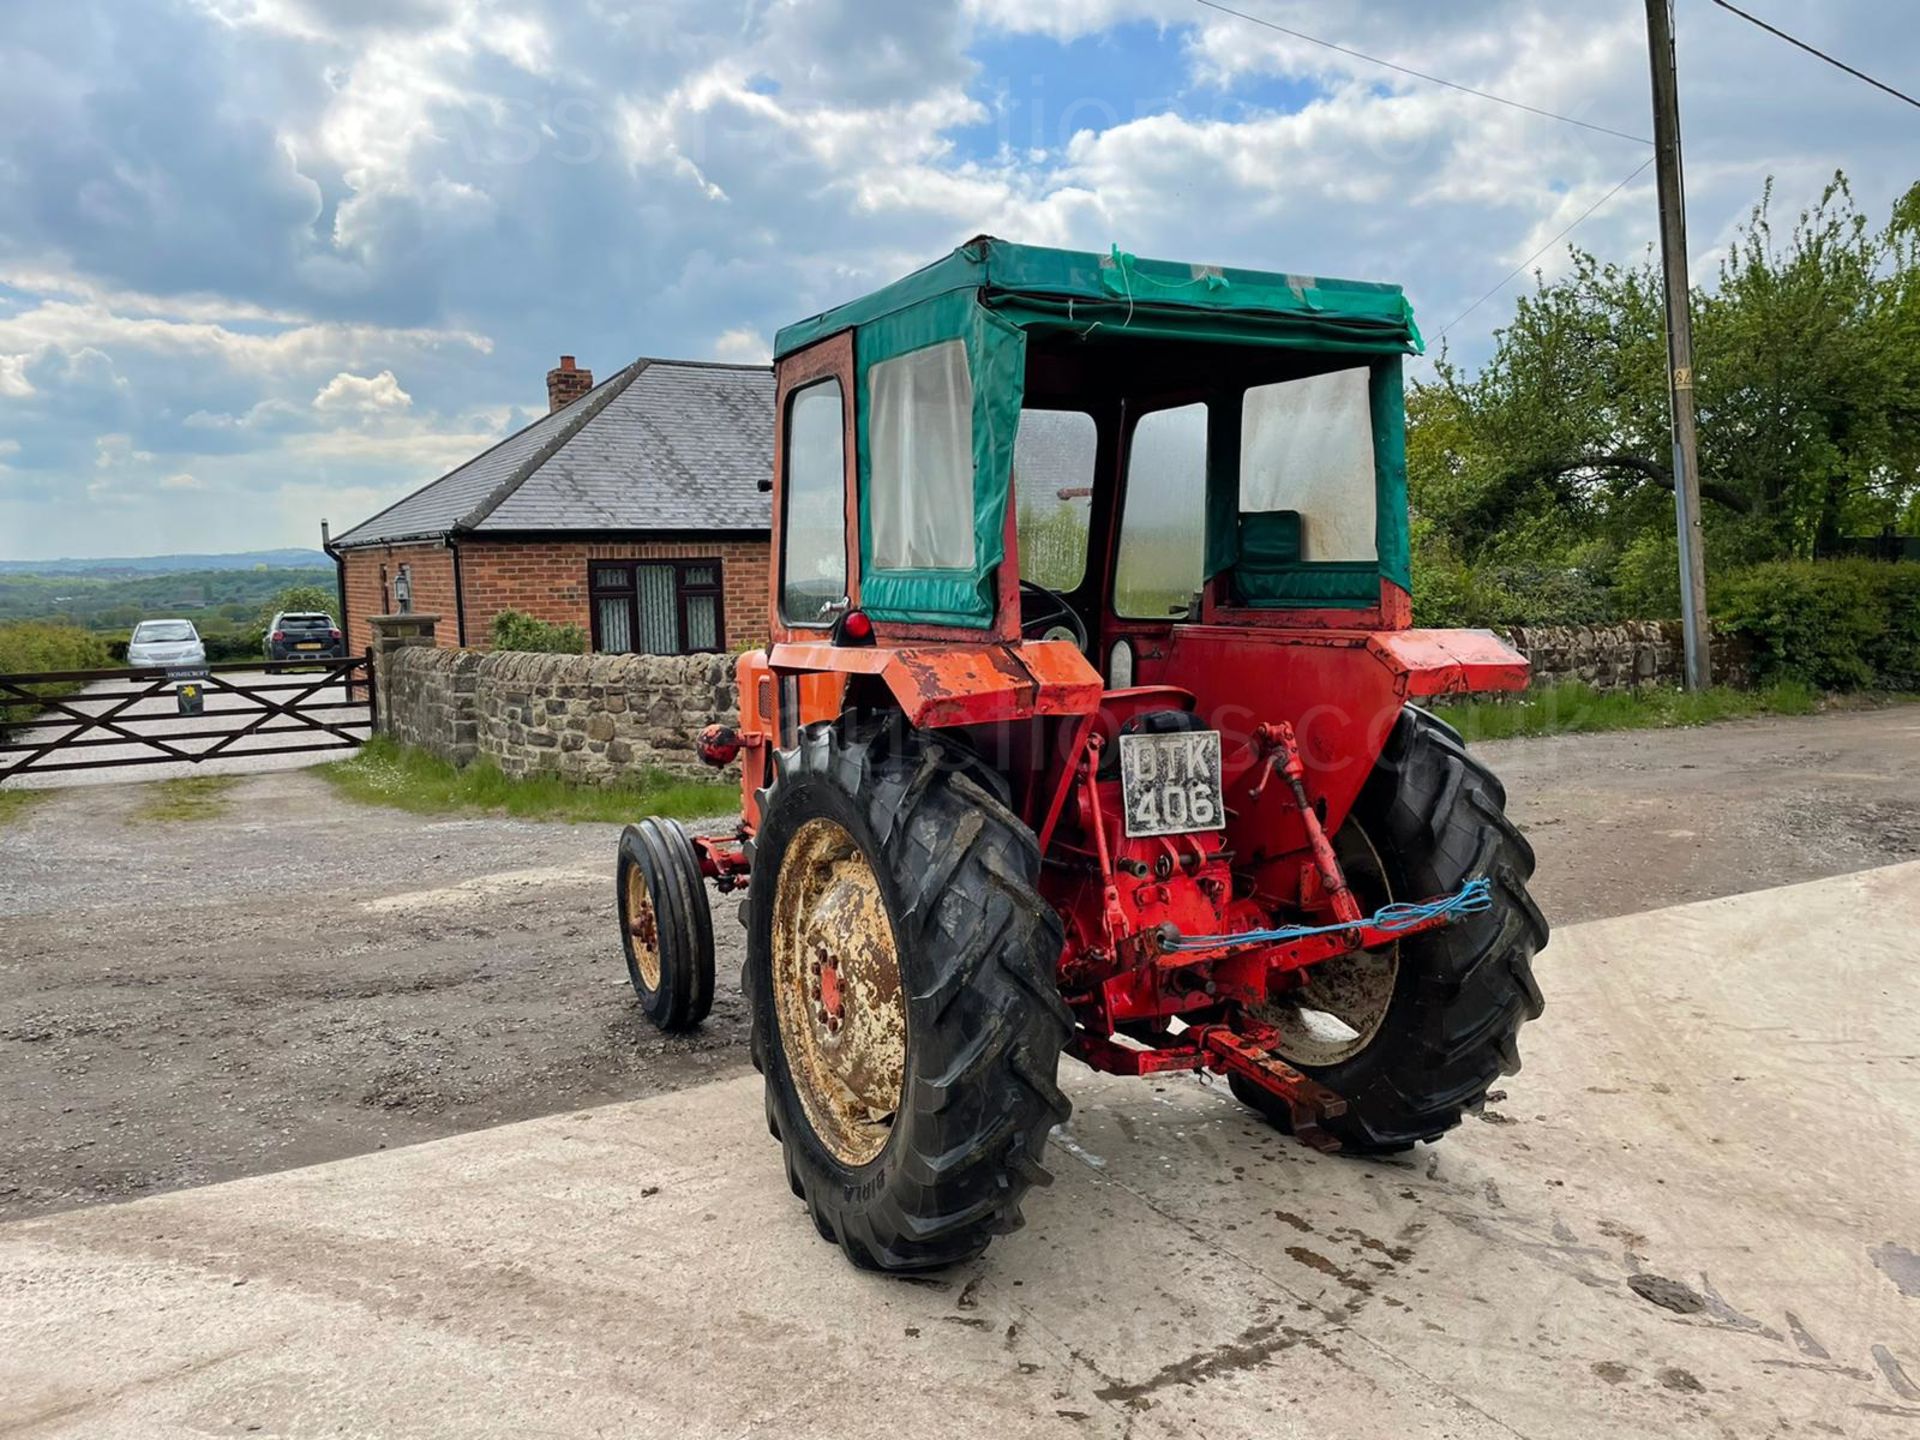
300 979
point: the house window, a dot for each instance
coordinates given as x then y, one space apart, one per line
655 607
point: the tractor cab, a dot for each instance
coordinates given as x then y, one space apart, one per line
1116 443
1027 476
1083 729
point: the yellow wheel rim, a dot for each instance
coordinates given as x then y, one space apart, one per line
643 926
837 992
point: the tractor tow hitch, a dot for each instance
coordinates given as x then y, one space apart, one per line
1243 1048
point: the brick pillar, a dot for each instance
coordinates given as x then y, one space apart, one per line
391 633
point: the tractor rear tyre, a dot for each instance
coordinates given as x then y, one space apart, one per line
665 925
900 969
1428 1024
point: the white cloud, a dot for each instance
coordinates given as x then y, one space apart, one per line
362 395
261 212
13 376
180 481
743 345
115 452
71 326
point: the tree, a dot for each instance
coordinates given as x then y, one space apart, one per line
1550 466
298 597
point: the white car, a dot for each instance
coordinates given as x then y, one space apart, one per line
165 642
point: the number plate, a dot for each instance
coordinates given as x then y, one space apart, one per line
1170 784
314 646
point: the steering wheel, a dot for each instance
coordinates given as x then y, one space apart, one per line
1050 612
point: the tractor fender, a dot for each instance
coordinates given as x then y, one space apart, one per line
938 685
1448 662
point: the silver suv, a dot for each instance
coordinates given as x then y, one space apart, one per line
166 642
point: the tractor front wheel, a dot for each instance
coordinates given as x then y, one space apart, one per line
665 926
900 968
1414 1034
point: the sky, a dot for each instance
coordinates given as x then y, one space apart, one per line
268 261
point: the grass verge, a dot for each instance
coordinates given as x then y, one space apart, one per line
386 773
1576 709
197 797
15 803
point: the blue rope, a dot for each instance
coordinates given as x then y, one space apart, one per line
1471 899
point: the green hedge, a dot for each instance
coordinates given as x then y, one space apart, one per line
1837 624
516 630
36 645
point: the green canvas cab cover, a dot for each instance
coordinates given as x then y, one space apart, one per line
991 294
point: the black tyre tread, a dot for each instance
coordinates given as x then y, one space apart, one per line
1437 816
661 850
676 956
696 914
699 915
978 950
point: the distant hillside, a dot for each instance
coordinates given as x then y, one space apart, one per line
170 564
106 600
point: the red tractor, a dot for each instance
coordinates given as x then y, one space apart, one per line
1085 727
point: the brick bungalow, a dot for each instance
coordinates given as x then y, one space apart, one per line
633 508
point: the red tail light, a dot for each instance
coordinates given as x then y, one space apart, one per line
334 634
279 635
855 628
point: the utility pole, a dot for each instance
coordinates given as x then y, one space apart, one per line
1673 259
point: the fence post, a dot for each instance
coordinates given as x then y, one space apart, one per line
393 633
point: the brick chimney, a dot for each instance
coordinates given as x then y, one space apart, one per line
566 384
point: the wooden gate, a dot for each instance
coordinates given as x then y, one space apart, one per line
91 719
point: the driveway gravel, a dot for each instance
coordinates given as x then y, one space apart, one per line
300 978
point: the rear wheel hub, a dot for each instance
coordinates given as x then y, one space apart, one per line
837 993
1339 1006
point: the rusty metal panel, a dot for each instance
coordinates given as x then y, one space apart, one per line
942 685
1451 662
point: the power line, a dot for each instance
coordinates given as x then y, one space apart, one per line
1422 75
1839 64
1518 269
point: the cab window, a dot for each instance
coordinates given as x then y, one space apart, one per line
920 474
1163 526
1306 461
814 530
1053 459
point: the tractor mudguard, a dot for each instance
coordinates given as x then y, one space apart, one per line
1449 662
939 685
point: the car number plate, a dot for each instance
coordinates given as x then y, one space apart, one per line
314 646
1170 784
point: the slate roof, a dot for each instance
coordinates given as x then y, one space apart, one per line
662 445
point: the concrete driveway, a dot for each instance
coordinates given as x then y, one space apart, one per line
158 717
1696 1212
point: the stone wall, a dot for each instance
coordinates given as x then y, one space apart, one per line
426 698
597 717
1623 655
592 718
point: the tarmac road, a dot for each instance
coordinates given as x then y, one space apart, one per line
1696 1213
